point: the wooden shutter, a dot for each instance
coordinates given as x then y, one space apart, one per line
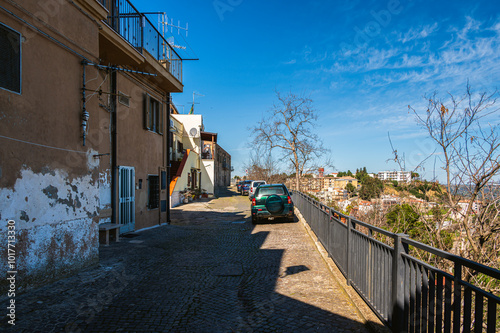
147 115
160 116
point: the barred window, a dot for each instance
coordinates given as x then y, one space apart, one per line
153 191
10 59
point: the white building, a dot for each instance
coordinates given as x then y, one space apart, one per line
400 176
198 163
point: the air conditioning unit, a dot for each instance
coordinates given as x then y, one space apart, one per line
172 126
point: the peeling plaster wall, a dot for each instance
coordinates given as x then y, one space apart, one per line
105 196
54 216
41 198
49 181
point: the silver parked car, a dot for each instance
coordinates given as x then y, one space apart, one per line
253 187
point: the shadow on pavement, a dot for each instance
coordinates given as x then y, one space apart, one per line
227 192
213 276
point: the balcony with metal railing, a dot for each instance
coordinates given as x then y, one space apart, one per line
138 30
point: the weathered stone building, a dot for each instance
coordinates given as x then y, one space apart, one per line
84 101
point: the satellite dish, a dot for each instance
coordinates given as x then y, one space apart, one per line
193 131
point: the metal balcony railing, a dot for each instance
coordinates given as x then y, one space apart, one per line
136 28
406 293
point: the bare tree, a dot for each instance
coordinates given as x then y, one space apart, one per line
471 156
401 161
290 129
262 166
446 125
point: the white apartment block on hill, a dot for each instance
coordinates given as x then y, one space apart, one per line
400 176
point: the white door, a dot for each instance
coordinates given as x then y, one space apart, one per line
126 190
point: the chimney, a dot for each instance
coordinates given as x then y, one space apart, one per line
321 171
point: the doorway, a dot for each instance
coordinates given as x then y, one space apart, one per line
126 193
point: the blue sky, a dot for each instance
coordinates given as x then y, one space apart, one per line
362 63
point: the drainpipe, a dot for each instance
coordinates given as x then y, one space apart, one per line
201 161
168 157
85 113
114 168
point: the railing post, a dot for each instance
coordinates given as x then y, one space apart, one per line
330 219
318 221
348 254
457 276
397 319
143 25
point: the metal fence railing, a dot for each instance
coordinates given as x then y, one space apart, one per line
407 294
138 30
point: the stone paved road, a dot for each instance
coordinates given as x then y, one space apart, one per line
211 270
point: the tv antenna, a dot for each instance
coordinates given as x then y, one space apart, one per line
192 106
164 26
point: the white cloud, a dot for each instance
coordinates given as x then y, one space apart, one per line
471 25
496 28
470 53
371 60
408 61
420 33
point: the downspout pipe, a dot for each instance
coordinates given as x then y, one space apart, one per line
114 168
169 143
85 113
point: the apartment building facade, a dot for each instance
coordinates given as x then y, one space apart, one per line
400 176
326 183
84 106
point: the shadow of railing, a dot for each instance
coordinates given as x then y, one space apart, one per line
406 293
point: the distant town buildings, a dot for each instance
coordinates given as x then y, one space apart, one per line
327 188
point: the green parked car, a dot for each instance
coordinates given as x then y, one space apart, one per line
272 201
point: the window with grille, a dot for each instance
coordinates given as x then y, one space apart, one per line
153 191
10 59
153 114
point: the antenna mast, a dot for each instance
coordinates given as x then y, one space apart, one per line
164 25
192 106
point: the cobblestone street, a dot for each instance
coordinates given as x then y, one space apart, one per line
210 270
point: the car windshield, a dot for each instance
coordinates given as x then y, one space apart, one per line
266 191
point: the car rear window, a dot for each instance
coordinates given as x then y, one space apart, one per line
266 191
257 184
